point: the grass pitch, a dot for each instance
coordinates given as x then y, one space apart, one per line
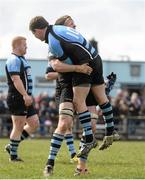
121 160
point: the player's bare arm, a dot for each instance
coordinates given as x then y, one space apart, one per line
51 76
59 66
20 87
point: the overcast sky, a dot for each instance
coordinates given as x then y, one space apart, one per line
118 25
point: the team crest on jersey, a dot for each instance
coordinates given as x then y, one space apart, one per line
28 71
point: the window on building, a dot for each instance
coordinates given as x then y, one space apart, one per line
135 70
3 81
42 82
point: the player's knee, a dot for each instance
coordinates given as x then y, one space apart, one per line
62 126
34 124
65 120
66 111
66 115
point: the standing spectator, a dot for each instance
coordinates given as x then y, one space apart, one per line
135 104
134 110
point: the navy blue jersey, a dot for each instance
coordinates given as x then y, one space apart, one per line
68 45
18 65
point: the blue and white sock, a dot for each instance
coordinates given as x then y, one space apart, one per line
108 117
85 120
56 142
70 144
13 148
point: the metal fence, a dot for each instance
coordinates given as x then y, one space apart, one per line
129 127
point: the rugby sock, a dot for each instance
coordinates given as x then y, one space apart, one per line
13 150
84 158
56 142
85 120
24 135
108 118
70 144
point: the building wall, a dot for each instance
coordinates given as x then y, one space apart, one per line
38 70
128 73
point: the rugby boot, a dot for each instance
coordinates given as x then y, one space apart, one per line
107 142
48 170
79 172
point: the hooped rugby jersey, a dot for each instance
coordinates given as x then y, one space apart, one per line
68 45
18 65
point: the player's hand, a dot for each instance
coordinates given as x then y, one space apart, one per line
84 68
28 100
112 76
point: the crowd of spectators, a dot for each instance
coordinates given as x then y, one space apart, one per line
130 105
5 120
48 113
125 104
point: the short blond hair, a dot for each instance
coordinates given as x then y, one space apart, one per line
16 41
62 20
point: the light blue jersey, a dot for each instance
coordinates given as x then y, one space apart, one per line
66 43
18 65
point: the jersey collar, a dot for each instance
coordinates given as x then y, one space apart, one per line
47 32
18 56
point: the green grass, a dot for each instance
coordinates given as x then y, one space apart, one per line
122 160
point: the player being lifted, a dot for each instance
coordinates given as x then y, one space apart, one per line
71 47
